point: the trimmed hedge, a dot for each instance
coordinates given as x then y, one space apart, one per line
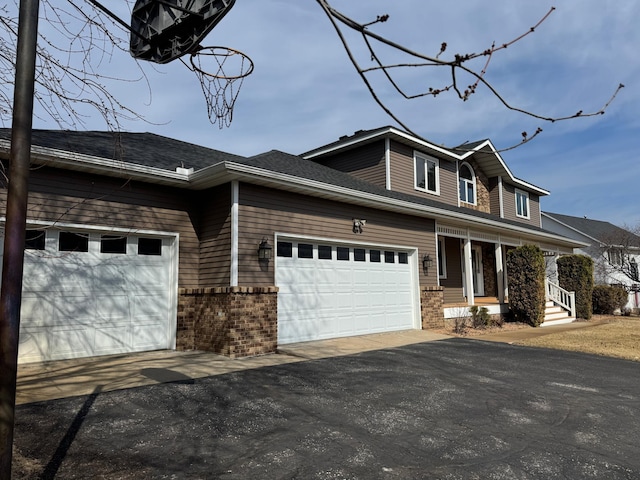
526 273
608 298
575 274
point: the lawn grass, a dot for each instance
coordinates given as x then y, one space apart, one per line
614 337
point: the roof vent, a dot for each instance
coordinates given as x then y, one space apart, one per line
184 171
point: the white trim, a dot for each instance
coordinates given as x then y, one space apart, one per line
387 162
501 196
334 192
235 194
440 245
426 159
473 181
517 192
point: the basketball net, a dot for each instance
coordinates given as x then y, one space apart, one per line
220 87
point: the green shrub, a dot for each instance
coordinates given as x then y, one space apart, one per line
575 274
526 273
480 317
609 298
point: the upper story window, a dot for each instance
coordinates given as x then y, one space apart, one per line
522 204
426 173
467 181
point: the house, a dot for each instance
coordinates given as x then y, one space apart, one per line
139 242
614 250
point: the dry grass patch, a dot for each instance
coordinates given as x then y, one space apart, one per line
612 336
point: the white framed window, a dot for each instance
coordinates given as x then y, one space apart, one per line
522 204
442 259
426 172
467 183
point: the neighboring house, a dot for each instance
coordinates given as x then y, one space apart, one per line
614 250
139 242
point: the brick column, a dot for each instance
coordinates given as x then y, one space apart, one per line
232 321
432 307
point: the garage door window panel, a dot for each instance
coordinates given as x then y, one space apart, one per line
73 242
34 239
374 256
324 252
116 244
343 253
305 250
359 254
149 246
389 257
285 249
403 258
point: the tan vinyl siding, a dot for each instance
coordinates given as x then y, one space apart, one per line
494 196
453 256
509 199
263 212
72 197
366 162
402 175
215 237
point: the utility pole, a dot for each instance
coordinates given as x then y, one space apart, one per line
15 225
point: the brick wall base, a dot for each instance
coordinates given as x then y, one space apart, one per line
231 321
432 307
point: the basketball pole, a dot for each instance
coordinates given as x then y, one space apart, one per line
15 224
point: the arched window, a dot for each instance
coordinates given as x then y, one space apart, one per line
467 183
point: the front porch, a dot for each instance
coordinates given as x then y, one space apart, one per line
472 272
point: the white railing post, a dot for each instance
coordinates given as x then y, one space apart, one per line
560 296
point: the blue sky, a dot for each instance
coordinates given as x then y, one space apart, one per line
305 93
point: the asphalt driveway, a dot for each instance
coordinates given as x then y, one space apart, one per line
449 409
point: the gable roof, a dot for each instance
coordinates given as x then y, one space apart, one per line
482 151
598 230
153 159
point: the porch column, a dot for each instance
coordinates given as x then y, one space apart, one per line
499 271
468 271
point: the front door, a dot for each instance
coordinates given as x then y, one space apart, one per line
476 267
478 278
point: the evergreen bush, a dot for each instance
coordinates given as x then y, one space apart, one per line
526 273
609 298
575 274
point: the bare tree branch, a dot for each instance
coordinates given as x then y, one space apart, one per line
458 63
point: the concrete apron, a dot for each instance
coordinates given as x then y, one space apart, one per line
68 378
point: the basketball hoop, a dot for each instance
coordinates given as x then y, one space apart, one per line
220 87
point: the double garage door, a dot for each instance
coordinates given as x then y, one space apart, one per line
88 294
335 290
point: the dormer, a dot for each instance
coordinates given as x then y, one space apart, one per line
471 176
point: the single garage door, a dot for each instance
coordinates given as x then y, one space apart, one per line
329 290
88 294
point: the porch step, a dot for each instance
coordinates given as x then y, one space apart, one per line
554 315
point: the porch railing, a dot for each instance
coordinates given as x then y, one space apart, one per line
560 296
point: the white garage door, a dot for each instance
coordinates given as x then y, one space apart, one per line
87 294
329 291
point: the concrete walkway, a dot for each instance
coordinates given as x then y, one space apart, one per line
68 378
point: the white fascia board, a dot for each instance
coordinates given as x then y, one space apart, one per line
113 168
335 192
527 185
381 133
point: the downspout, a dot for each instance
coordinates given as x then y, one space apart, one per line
235 189
500 197
387 162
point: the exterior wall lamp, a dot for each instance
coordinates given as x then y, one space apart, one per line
427 263
264 250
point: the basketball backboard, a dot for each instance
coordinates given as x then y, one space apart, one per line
163 30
